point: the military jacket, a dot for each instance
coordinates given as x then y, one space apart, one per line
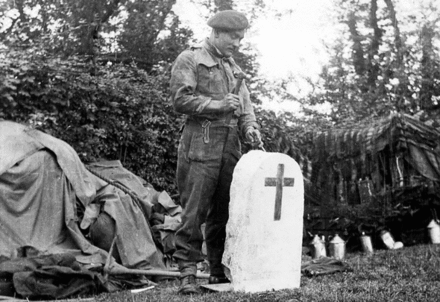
199 77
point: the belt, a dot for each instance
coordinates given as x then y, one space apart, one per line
206 124
227 122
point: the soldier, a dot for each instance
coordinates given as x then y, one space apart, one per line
202 80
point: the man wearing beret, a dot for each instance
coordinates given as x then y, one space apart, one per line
202 84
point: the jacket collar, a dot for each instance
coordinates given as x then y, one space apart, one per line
211 56
213 50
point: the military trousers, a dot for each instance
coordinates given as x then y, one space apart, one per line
206 161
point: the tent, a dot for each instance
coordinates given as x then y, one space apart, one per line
54 210
383 168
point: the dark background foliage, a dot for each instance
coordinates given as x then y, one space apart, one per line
95 74
118 113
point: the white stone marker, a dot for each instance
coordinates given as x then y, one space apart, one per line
265 227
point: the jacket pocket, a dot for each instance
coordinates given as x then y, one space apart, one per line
210 80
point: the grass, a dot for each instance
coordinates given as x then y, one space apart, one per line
407 274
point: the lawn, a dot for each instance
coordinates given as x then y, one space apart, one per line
407 274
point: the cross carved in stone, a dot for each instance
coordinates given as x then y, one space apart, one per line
279 182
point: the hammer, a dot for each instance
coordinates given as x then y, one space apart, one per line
240 77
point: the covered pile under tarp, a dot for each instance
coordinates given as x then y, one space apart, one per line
352 165
49 202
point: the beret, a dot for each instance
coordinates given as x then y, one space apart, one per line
229 20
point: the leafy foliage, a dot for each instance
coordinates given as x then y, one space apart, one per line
61 71
383 61
59 74
121 113
152 39
63 27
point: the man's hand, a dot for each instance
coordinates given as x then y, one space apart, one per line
253 136
231 102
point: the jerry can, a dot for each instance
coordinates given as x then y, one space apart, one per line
318 248
337 247
434 232
367 246
387 239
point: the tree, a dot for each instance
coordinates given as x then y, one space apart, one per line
358 51
55 77
151 34
385 59
62 74
384 73
223 4
65 27
430 68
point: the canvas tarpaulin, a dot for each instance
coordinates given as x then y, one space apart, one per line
44 191
388 153
398 132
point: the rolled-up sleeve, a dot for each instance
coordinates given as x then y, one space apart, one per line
183 85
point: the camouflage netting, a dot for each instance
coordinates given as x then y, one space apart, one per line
372 173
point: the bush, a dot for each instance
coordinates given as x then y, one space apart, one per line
115 112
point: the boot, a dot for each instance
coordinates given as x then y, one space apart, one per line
188 283
217 273
218 279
